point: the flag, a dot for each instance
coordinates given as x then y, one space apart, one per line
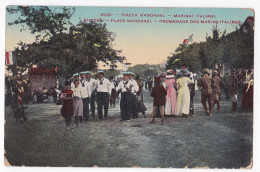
185 41
9 58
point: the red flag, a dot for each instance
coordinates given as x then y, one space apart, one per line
56 69
185 41
9 58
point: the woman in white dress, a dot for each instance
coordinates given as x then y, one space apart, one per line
182 107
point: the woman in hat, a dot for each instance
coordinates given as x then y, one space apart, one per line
171 93
67 107
183 100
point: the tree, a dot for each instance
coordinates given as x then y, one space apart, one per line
71 49
234 50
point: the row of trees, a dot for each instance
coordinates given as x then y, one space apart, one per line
59 43
234 50
146 70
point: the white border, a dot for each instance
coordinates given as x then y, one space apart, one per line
135 3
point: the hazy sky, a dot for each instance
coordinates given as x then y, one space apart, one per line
144 42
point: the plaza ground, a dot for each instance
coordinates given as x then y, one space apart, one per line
221 141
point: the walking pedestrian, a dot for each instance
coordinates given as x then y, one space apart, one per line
103 91
158 93
183 99
125 101
216 90
206 91
77 103
171 93
67 107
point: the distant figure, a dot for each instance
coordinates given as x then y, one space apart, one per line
140 107
226 83
233 88
158 93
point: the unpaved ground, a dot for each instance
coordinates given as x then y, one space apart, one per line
221 141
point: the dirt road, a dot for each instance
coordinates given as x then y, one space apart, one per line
221 141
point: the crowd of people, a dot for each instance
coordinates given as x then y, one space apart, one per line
172 94
79 97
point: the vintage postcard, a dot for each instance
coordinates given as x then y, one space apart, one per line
168 87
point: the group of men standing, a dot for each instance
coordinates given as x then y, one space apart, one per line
128 88
211 89
99 90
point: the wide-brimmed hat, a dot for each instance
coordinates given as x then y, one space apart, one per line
170 74
206 71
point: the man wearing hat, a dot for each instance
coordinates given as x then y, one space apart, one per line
75 77
92 83
86 93
134 89
206 91
216 81
103 91
125 101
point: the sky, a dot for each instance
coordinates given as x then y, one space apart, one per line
143 43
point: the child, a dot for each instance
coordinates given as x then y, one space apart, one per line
77 103
159 94
67 107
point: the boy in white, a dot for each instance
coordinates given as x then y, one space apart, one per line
93 87
134 89
125 102
75 77
86 93
103 92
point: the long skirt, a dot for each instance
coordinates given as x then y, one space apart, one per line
183 102
67 108
247 101
170 102
78 107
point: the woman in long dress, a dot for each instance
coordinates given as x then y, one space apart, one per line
171 93
183 100
247 100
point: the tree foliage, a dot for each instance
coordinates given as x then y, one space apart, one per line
71 48
145 70
234 50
